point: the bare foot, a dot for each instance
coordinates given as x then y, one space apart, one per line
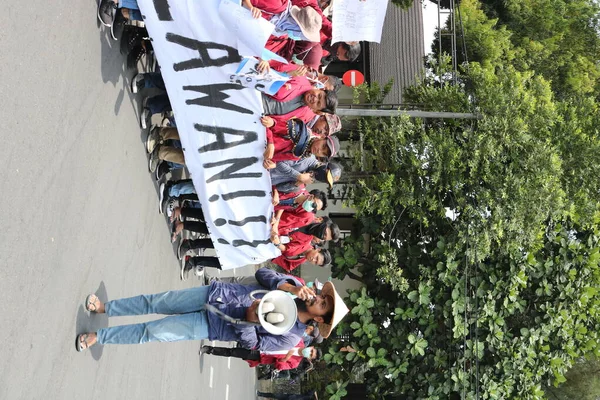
175 214
178 227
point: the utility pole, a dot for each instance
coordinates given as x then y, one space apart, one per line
341 111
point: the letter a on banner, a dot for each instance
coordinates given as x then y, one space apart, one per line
218 122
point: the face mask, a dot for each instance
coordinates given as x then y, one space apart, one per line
304 335
308 205
306 352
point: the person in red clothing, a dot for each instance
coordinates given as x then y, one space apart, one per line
300 200
295 141
282 360
298 98
299 243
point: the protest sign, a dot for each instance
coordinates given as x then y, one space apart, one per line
356 20
267 82
218 122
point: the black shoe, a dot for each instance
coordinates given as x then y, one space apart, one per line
118 25
162 170
186 267
164 198
106 12
137 83
183 248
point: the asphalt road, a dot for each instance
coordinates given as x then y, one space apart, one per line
79 215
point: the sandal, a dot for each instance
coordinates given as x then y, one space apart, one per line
174 232
176 214
81 342
91 303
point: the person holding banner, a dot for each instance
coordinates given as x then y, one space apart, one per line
188 319
299 99
295 174
294 141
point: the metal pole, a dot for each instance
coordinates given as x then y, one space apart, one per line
411 113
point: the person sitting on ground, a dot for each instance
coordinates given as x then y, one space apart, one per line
189 319
294 141
298 98
299 246
302 200
325 125
324 172
159 150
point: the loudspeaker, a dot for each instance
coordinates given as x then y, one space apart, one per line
283 304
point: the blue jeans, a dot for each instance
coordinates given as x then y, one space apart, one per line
154 80
190 323
158 104
185 187
134 9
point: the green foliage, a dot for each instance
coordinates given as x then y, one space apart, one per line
583 382
502 299
557 39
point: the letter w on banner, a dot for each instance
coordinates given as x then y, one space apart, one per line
218 124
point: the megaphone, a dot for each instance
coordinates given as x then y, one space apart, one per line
277 311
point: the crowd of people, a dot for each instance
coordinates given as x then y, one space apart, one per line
300 123
301 127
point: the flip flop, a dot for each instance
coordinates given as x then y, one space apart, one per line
80 341
89 302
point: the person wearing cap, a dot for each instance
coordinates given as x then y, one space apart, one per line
293 174
282 360
189 320
295 141
325 125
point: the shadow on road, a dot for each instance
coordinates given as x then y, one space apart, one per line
91 322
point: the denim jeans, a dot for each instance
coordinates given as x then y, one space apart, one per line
189 323
154 80
184 187
158 104
134 9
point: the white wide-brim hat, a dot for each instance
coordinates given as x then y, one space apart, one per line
339 309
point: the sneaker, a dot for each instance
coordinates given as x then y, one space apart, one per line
106 12
116 29
199 271
186 267
153 160
137 83
183 248
171 206
145 115
163 197
162 170
153 139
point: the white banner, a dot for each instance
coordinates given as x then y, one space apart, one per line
356 20
218 124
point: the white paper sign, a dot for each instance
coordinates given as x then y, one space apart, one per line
356 20
218 124
248 76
